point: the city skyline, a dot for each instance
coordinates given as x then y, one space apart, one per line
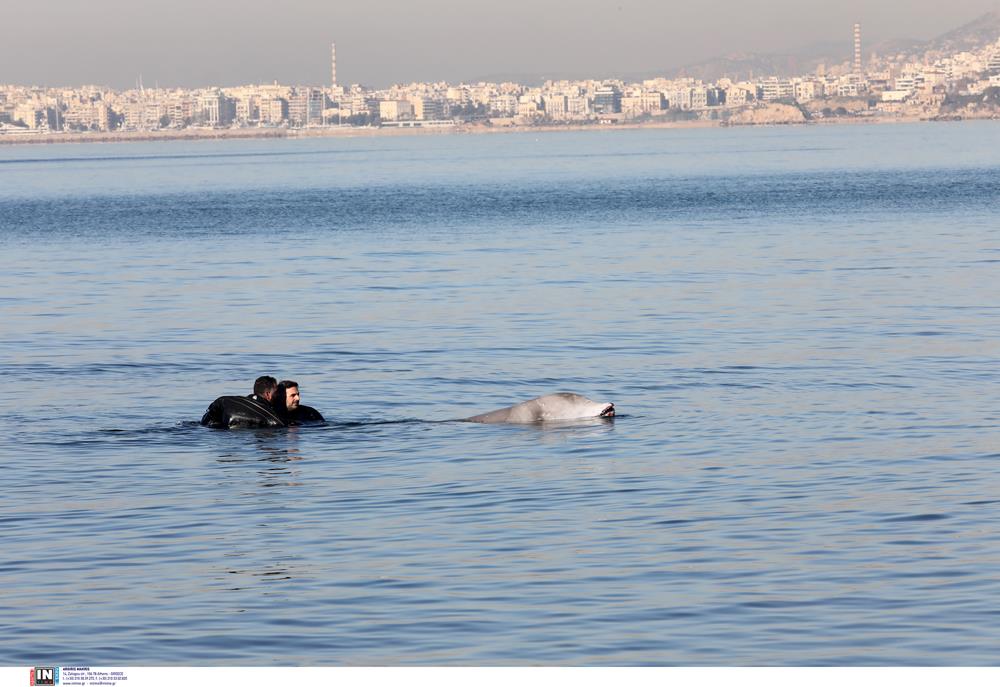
959 76
442 40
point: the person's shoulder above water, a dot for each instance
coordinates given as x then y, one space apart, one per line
254 410
307 414
231 412
298 413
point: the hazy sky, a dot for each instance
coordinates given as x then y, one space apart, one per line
231 42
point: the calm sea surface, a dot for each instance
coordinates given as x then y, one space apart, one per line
800 328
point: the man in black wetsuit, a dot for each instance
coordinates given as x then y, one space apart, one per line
297 413
254 410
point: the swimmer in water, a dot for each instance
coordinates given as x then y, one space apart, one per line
297 413
254 410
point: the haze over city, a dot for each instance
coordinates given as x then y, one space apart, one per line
189 43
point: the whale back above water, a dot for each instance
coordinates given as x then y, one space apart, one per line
549 408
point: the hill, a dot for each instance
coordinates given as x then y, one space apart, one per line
975 34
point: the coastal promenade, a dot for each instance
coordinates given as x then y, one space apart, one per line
192 134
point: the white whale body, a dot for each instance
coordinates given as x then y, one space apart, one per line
549 408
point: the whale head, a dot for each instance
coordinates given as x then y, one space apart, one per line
566 406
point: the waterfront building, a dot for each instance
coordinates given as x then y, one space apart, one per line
395 110
180 110
879 81
716 96
679 99
305 107
578 107
804 91
273 111
607 100
247 109
639 102
504 104
848 89
427 109
209 108
906 83
31 114
774 88
359 103
527 111
738 95
86 115
482 94
457 94
132 115
699 98
555 106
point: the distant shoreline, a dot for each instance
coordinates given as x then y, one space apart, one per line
460 129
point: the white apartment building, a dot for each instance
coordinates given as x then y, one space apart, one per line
132 115
699 98
504 104
395 110
679 99
807 90
457 94
528 108
208 108
180 110
578 106
993 63
738 95
555 106
273 110
639 102
86 116
143 115
359 103
426 109
305 107
31 114
847 90
906 83
247 109
481 94
775 89
964 65
896 96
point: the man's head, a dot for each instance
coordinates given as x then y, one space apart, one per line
291 394
265 386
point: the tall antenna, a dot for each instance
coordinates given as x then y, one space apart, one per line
333 64
857 50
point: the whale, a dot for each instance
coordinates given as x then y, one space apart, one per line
549 408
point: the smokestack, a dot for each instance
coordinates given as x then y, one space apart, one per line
333 64
857 50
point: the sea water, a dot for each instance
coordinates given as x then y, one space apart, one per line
799 327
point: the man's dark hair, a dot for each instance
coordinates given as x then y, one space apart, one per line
264 385
289 383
